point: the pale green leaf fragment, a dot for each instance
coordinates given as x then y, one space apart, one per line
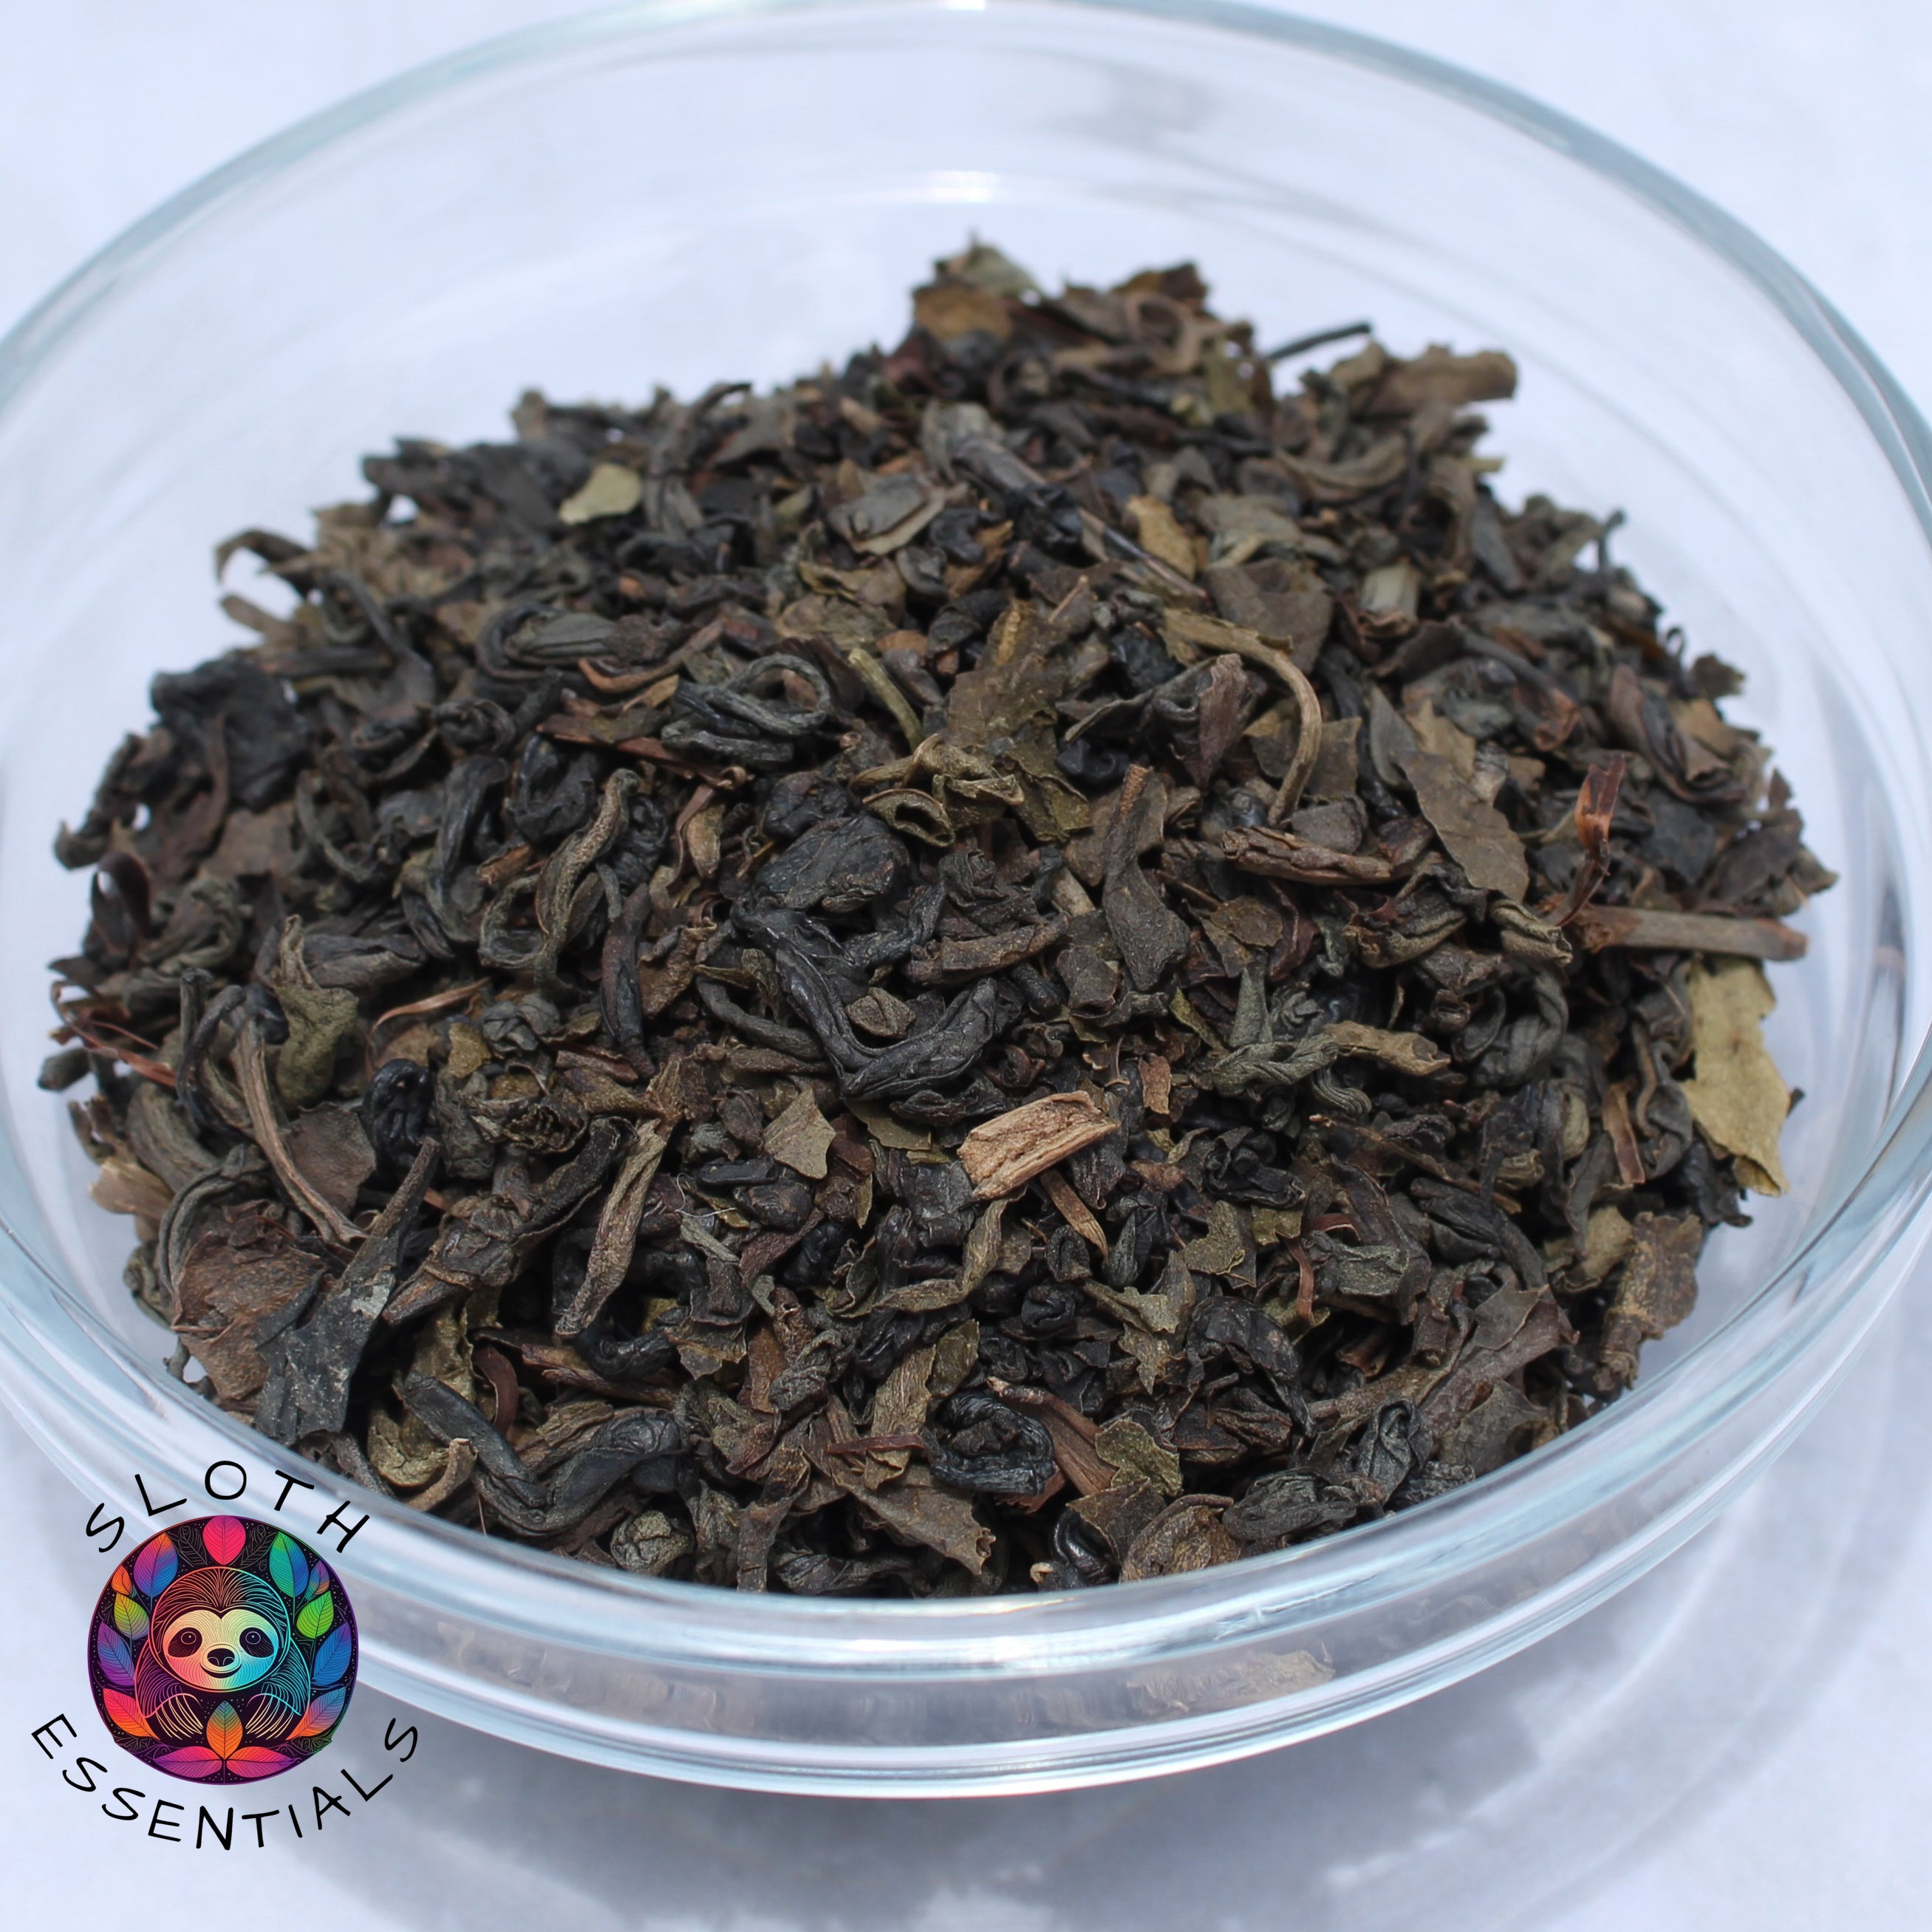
611 490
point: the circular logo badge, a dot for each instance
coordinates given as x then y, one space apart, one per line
222 1651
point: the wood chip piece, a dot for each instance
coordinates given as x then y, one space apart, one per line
1599 926
1002 1154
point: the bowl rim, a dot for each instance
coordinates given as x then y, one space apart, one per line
1849 1235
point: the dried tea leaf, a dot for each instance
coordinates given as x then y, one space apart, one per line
953 309
1160 536
903 1397
1443 738
320 1019
988 267
1654 1292
1473 832
899 1408
916 1509
1438 375
1127 1447
801 1137
1336 771
1409 1053
1736 1094
615 1242
681 1090
330 1146
650 1544
1119 1513
236 1280
890 1131
1152 939
1187 1535
1505 1424
124 1187
926 1296
954 1357
1018 680
1153 1325
1606 1240
610 490
984 1244
1226 1248
877 1012
1157 1083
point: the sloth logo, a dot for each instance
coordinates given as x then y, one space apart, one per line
222 1651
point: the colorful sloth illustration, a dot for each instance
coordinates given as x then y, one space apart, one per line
223 1650
217 1632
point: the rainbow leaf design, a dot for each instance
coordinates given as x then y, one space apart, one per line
223 1538
332 1659
154 1567
287 1566
120 1582
318 1581
117 1660
195 1761
129 1619
125 1714
257 1761
315 1616
323 1710
224 1731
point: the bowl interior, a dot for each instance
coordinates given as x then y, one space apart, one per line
747 194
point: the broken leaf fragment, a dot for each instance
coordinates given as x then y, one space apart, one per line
1161 535
801 1137
1654 1292
953 308
1473 832
1187 1535
1131 1449
1737 1096
610 490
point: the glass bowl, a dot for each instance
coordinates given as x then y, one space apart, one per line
679 192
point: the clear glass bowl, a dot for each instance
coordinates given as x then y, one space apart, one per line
677 192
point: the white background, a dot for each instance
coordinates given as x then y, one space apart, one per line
1741 1741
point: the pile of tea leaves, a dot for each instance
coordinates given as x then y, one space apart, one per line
1025 964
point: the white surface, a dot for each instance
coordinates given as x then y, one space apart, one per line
1740 1742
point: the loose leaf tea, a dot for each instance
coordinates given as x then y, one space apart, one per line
1024 964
